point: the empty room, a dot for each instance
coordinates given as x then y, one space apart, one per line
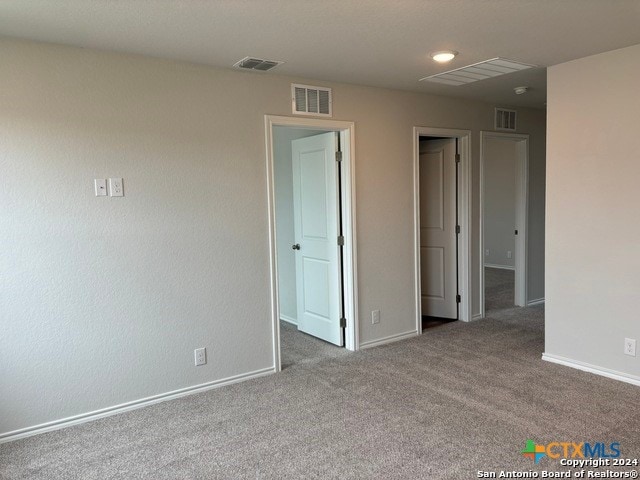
267 239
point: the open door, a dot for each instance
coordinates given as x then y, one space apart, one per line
316 224
438 254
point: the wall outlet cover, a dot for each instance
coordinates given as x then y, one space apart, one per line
116 188
630 346
200 355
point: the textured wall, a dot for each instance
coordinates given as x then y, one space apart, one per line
499 200
109 296
593 233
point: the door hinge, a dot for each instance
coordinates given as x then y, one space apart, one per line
457 158
458 299
343 322
457 228
338 156
341 240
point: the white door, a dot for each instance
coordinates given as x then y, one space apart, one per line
315 210
438 264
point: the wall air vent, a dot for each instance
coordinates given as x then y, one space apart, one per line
252 63
505 120
478 71
309 100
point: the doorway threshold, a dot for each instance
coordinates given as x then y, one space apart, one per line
432 322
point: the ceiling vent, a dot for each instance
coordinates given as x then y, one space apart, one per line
252 63
478 71
505 119
309 100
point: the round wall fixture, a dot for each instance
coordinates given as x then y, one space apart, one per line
521 90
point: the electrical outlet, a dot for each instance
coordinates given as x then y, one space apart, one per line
200 356
486 252
508 253
115 187
630 346
375 317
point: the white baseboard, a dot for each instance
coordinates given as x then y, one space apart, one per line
125 407
288 319
501 267
586 367
477 316
389 339
537 301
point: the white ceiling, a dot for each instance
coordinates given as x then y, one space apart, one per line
371 42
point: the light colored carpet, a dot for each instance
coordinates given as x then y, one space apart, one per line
299 348
499 288
461 397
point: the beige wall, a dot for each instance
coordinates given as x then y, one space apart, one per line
500 158
592 243
109 296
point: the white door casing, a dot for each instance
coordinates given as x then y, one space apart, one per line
316 220
522 195
438 263
346 131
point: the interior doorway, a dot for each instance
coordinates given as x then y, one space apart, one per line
311 213
438 229
442 172
503 212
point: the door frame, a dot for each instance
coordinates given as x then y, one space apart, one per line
464 217
522 214
348 188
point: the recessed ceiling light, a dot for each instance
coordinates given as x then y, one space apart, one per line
520 90
444 56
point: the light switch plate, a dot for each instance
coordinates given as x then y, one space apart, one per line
115 187
101 187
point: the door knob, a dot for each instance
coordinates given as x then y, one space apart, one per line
296 246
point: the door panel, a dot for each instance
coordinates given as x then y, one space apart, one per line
431 182
316 276
313 194
315 208
433 272
438 262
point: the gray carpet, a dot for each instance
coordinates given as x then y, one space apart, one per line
499 289
461 397
298 348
